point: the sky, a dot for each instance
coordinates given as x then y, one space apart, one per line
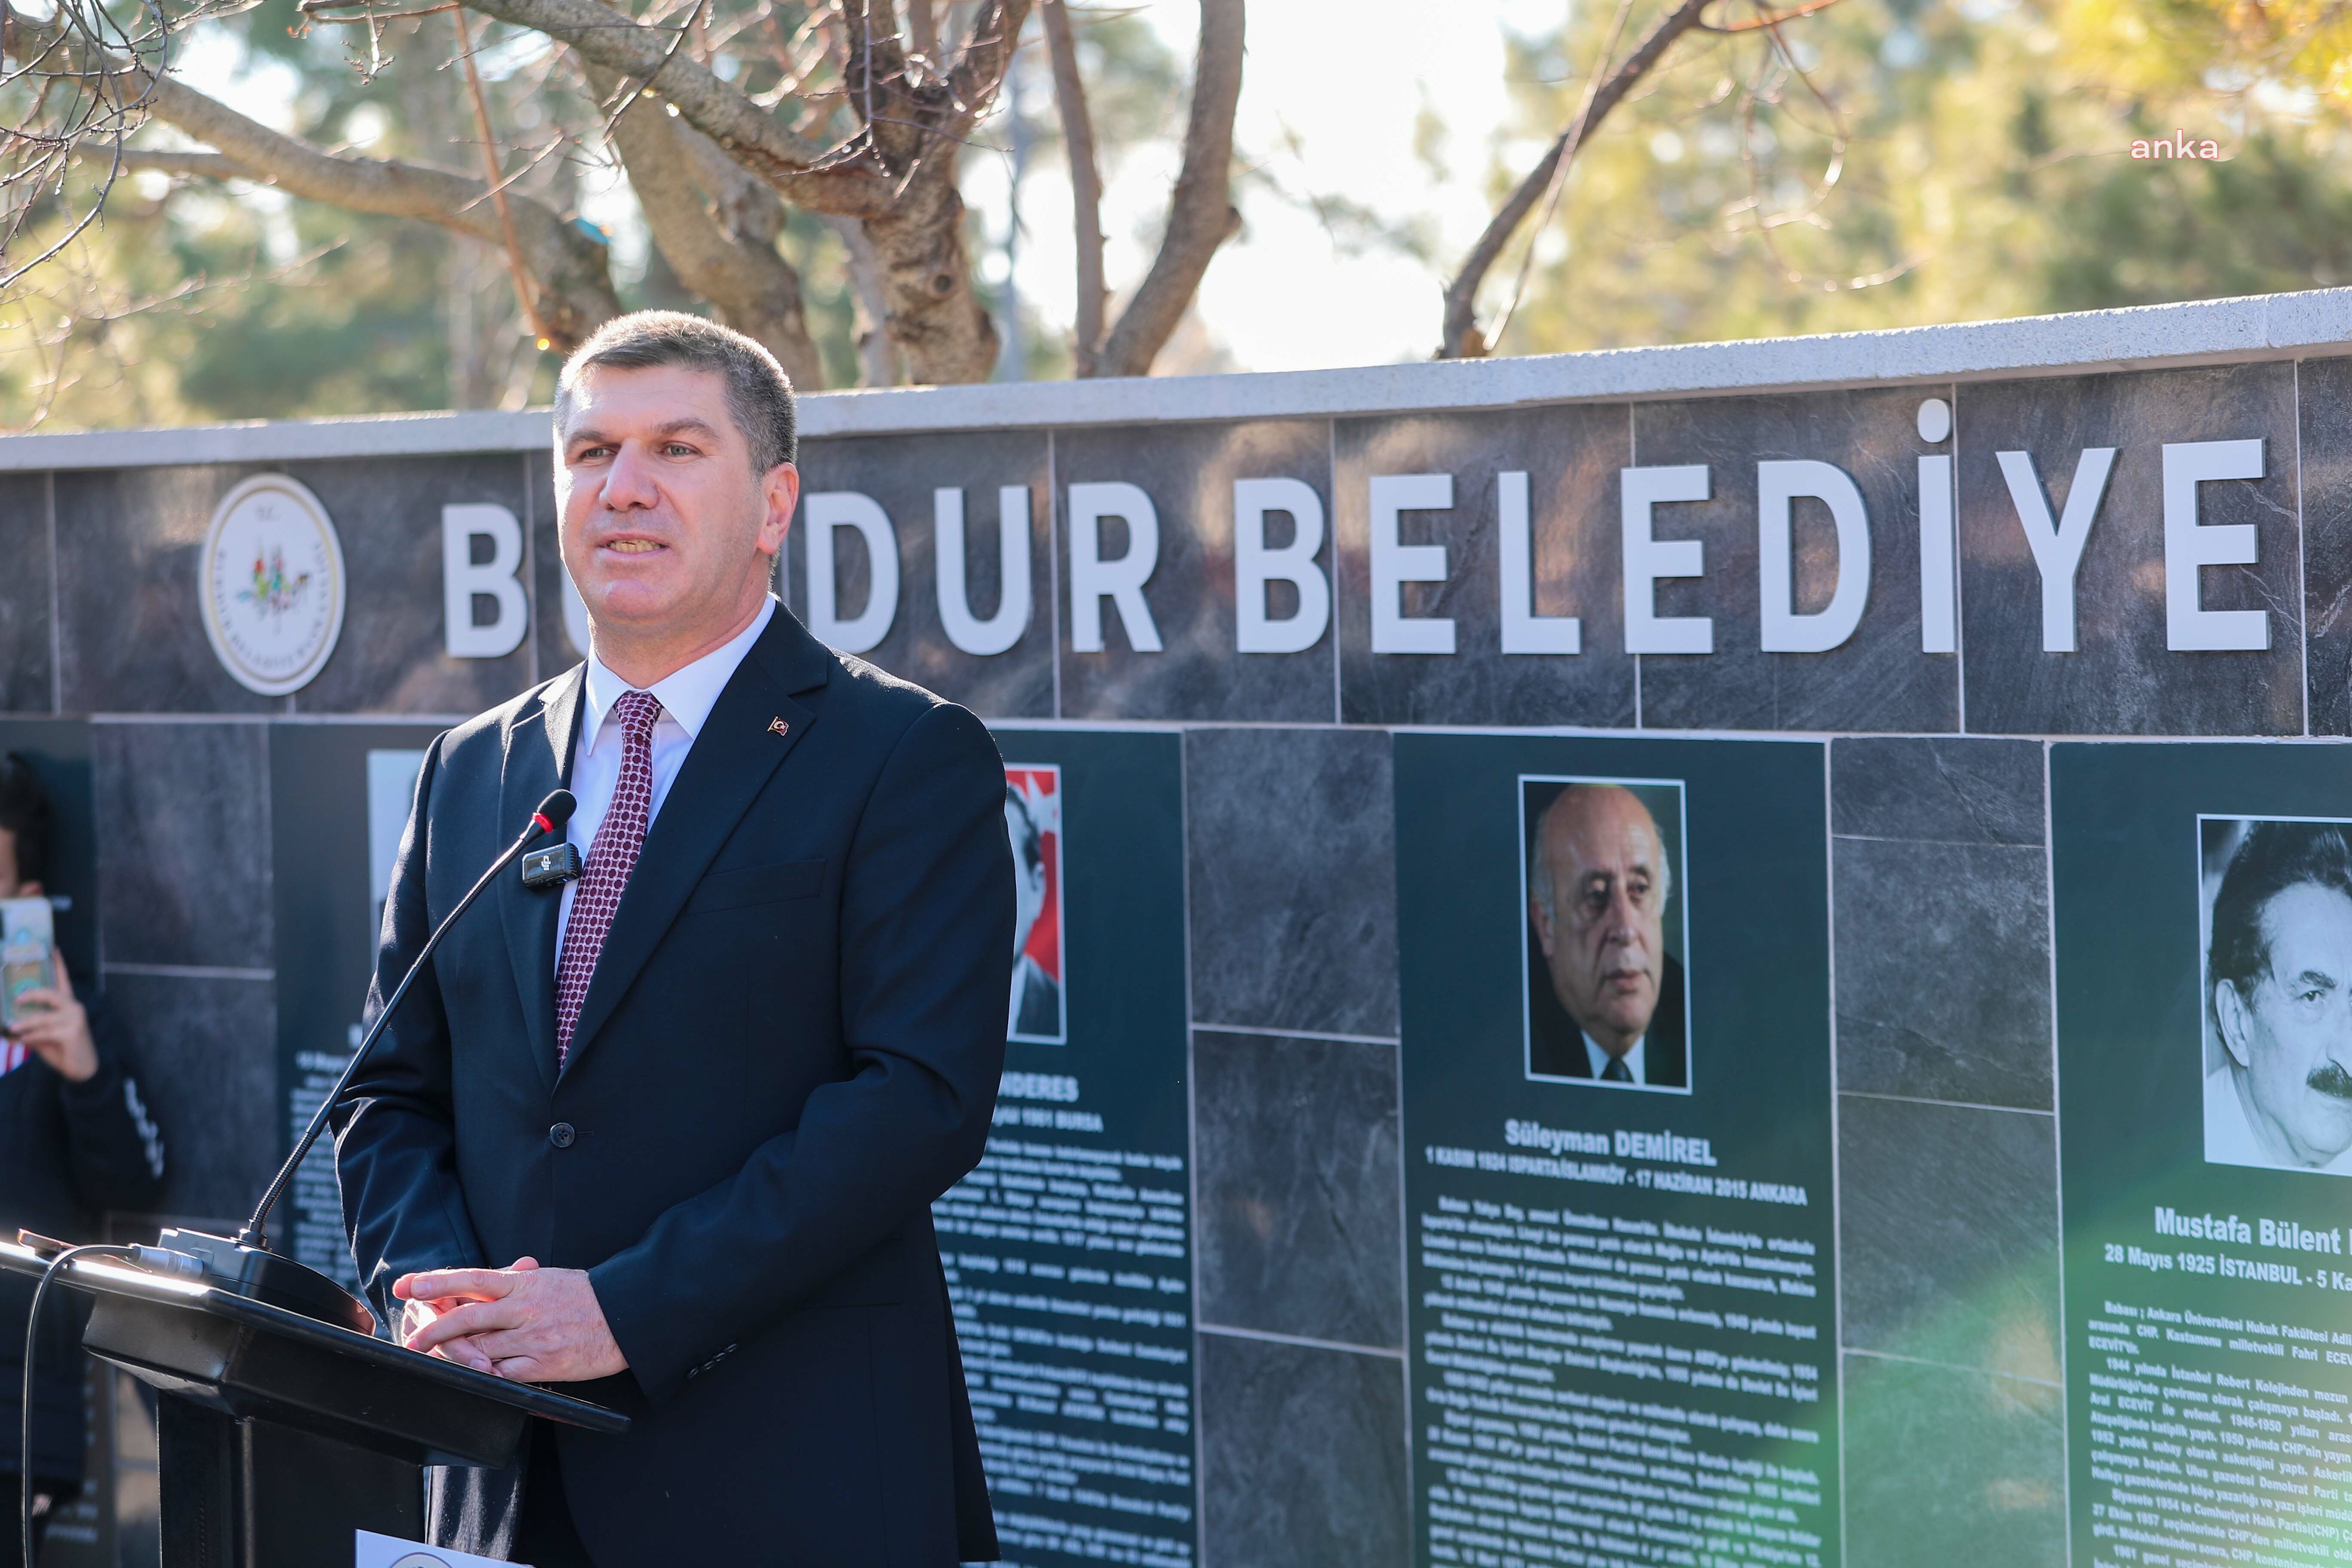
1326 110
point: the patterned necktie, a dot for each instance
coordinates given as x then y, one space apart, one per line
1615 1072
611 859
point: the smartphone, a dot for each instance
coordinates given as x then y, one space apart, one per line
28 954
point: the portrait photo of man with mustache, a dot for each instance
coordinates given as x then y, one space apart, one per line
2278 995
1605 988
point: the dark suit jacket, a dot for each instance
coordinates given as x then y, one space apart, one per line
1556 1047
790 1046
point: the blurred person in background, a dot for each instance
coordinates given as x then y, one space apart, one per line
76 1141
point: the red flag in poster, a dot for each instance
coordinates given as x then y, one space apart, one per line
1032 819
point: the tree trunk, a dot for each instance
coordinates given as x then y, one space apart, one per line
934 315
717 248
1086 183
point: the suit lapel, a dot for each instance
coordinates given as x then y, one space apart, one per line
538 759
733 757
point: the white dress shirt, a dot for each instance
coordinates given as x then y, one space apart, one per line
686 696
1600 1058
2230 1135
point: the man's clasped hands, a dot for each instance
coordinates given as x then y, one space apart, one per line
524 1323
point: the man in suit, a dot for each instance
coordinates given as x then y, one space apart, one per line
1598 883
670 1137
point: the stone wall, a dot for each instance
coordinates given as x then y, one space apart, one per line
1948 1212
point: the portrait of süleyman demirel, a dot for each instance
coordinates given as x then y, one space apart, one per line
1607 999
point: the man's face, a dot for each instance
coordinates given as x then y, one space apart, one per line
665 522
2291 1030
1603 937
1028 881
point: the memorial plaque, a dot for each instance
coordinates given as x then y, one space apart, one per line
2203 915
1620 1266
1069 1251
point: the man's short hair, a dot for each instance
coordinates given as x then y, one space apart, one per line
25 814
2273 856
758 392
1539 864
1032 839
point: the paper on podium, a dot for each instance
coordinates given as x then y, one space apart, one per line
391 1551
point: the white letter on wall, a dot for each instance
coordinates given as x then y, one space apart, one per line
2188 628
1524 631
1778 482
1093 579
2057 548
830 510
1649 559
1256 566
964 629
494 579
1394 564
1939 551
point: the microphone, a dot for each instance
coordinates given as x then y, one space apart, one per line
244 1265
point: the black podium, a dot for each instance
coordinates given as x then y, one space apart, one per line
279 1436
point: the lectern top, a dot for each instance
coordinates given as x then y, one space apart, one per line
103 1276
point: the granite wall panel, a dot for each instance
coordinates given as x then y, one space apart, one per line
1303 1456
1570 457
1936 791
1289 840
206 1049
26 665
1188 473
131 628
1877 677
1948 1235
1296 1148
184 864
1942 919
2125 679
1959 1469
900 473
2323 422
393 657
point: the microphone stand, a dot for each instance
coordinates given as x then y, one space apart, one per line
244 1264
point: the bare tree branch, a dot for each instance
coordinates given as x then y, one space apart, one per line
186 166
933 314
724 251
1201 212
526 287
821 179
923 29
571 267
1462 339
1086 181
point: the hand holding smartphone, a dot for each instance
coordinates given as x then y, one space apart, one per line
28 955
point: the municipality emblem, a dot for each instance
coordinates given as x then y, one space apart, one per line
270 577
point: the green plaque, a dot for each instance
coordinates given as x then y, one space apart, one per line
2203 912
1069 1251
1622 1341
